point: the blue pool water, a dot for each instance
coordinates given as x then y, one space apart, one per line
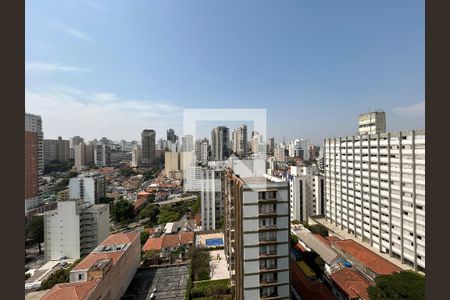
214 242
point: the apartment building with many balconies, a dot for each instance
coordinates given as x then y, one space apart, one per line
74 229
257 235
375 189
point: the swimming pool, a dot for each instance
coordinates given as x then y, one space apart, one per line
214 242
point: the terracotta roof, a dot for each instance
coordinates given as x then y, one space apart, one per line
71 291
153 244
170 241
92 258
367 257
323 240
352 283
120 238
333 238
186 238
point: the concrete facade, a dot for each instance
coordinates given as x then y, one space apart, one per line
375 189
257 236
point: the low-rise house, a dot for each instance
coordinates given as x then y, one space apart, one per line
105 273
349 284
364 259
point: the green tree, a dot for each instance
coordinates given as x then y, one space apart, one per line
122 212
168 216
296 222
399 285
60 276
196 206
144 237
34 230
150 211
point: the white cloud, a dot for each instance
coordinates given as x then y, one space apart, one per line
73 32
51 67
414 110
67 112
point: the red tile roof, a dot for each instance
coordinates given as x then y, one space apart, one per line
367 257
71 291
352 283
120 238
186 238
323 240
153 244
92 258
170 241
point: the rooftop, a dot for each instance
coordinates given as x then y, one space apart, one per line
352 283
71 291
152 244
325 252
365 256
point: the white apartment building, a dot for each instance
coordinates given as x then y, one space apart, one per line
89 187
306 187
74 229
211 197
375 189
257 235
136 156
102 155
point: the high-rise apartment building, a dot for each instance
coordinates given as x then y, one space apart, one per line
375 189
280 153
202 151
88 187
187 143
74 229
240 141
220 140
58 150
257 235
136 156
73 141
34 160
102 155
306 195
270 145
171 136
372 123
148 137
211 196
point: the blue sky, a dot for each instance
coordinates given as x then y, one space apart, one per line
112 68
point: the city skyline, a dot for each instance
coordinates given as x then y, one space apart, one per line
83 80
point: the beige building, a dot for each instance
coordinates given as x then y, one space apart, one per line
372 123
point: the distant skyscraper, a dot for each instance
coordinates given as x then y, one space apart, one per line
270 145
220 139
202 151
102 155
171 137
73 141
34 160
240 142
136 156
148 137
187 143
56 150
